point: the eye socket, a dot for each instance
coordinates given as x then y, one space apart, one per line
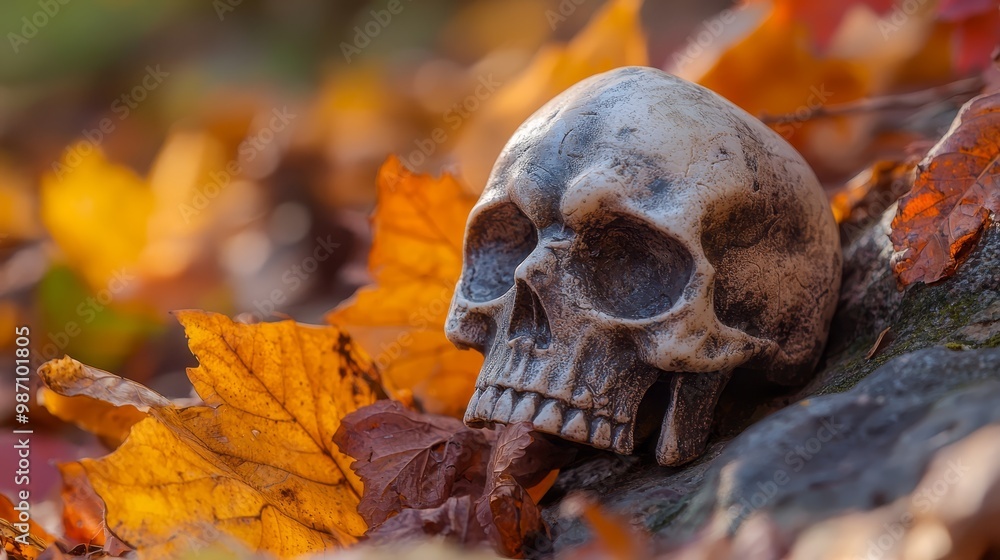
499 239
630 270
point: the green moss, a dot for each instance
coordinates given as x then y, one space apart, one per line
927 316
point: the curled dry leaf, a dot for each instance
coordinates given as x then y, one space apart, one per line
412 461
455 520
257 462
416 258
955 190
432 475
506 511
97 401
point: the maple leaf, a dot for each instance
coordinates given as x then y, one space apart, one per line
955 189
416 259
257 462
412 461
432 475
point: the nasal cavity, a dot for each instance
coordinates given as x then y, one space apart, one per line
528 318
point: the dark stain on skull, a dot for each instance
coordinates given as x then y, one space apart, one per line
625 131
660 186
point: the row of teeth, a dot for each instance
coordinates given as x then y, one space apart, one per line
552 416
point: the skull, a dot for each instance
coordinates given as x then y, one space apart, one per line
639 240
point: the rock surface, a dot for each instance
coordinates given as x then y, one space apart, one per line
861 436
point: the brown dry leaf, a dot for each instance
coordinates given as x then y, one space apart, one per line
16 542
432 475
614 37
412 461
416 259
455 520
257 462
508 513
955 190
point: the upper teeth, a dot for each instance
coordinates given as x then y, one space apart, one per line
507 406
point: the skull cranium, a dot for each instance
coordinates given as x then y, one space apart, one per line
639 231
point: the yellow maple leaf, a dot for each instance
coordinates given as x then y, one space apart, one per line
109 422
614 37
150 226
256 462
416 259
95 203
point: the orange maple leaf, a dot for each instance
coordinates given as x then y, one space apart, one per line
956 188
416 259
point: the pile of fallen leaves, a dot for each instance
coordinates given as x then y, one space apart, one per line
305 439
294 448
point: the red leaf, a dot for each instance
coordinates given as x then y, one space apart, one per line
411 460
509 515
431 475
955 189
455 519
